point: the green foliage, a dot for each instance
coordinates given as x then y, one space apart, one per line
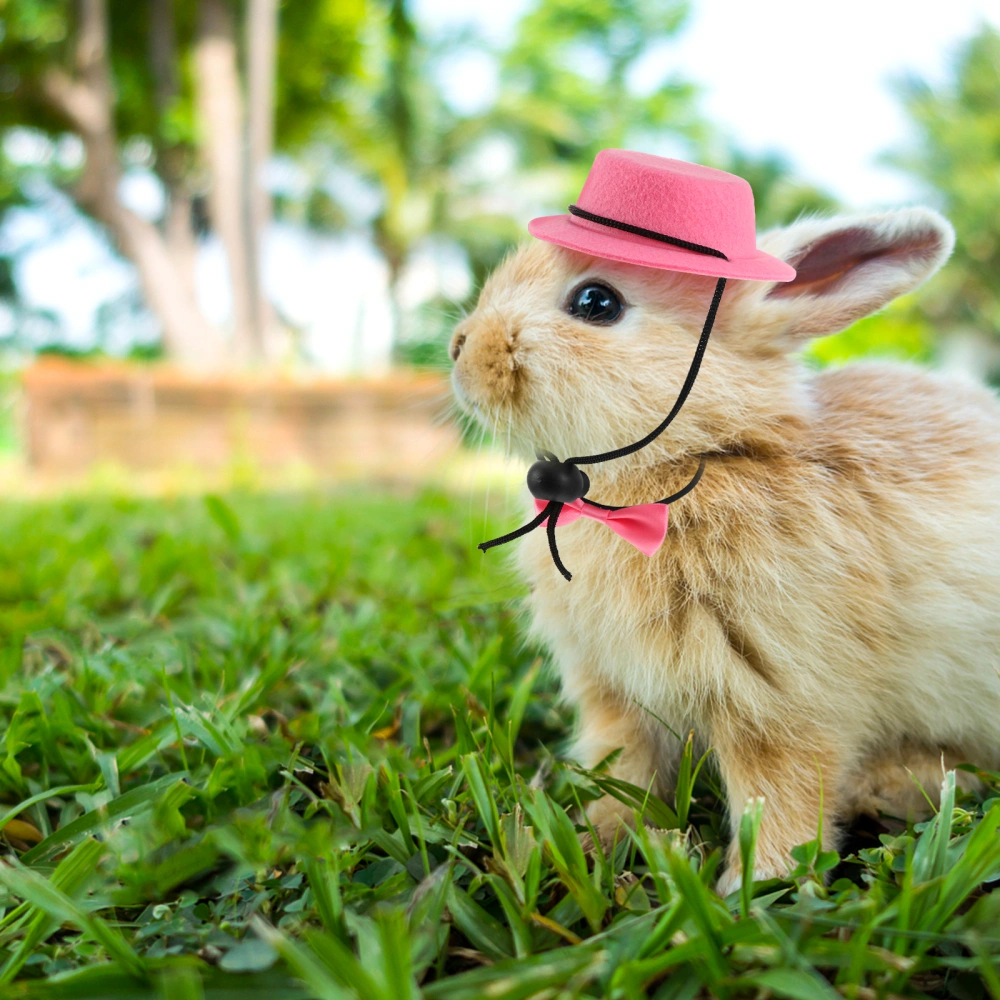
319 54
155 119
564 85
402 136
565 79
296 748
562 97
899 332
430 328
956 154
34 34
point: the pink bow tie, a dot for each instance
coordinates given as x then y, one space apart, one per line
644 525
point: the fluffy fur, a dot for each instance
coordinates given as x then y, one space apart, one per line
825 611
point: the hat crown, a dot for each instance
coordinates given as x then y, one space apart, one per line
686 201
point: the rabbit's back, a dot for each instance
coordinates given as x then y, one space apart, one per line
935 436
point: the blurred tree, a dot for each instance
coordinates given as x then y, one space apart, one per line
566 89
396 136
404 137
220 108
10 195
164 75
261 59
21 325
569 90
957 156
563 94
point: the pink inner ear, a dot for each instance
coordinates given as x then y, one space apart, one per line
821 266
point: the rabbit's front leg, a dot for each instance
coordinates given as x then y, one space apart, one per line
791 777
606 723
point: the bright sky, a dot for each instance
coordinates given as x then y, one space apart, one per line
806 79
809 79
812 79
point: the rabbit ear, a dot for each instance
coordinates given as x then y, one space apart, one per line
848 267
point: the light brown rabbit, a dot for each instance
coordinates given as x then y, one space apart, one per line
825 610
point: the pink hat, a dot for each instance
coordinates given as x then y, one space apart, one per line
655 212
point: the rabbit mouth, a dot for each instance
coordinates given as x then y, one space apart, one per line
486 388
481 412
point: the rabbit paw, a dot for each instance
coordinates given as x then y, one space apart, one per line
609 818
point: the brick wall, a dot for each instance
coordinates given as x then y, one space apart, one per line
153 417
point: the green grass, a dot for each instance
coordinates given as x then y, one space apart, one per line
296 748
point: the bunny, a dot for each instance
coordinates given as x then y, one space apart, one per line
825 610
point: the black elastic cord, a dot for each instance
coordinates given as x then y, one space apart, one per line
550 530
692 374
683 492
551 512
627 227
523 530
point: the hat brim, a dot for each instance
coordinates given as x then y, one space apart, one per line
564 231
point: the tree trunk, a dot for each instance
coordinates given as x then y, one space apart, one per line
393 249
172 165
262 39
220 110
87 101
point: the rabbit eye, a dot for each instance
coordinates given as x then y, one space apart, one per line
595 303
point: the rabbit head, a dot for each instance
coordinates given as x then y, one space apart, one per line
576 354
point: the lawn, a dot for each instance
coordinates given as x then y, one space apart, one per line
294 747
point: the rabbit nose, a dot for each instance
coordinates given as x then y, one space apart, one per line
457 343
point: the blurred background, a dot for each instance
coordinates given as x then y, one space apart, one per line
235 234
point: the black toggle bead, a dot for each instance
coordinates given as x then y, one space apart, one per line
563 482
